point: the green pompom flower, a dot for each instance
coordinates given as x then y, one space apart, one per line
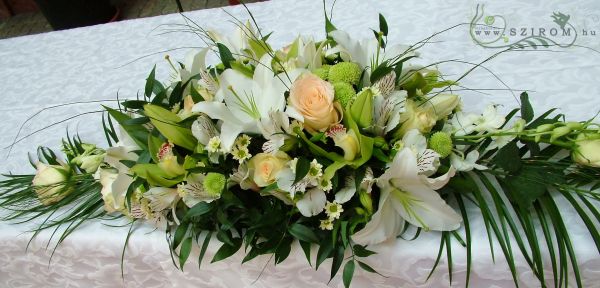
344 93
214 183
441 143
322 72
345 72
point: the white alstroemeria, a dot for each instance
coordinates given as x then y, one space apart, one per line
462 124
347 192
466 123
161 198
286 177
365 52
405 196
427 159
489 120
241 176
122 150
312 202
468 163
207 134
386 111
247 100
275 129
193 191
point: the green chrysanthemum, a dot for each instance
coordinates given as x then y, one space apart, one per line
322 72
345 72
344 93
441 143
214 183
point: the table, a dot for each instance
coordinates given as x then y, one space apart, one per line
99 62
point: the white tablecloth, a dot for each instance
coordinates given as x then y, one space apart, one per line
95 63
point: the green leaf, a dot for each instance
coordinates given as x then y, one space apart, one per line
167 123
204 247
325 249
362 251
225 54
283 250
306 248
348 273
383 27
198 210
134 104
338 258
227 250
184 252
150 83
180 233
302 167
137 132
508 158
368 268
303 233
526 109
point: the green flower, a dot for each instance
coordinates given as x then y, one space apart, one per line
322 72
441 143
344 93
214 183
345 72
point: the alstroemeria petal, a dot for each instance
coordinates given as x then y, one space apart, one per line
345 194
312 203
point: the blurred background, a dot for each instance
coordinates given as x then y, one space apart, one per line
25 17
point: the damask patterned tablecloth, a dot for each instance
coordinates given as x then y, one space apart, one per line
100 62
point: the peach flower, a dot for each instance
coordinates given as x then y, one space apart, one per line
313 98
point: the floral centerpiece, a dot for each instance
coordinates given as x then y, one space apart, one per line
338 143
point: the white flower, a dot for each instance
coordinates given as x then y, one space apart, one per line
345 194
466 164
315 171
161 198
243 141
333 210
50 183
490 120
240 153
312 202
194 192
114 188
326 224
462 123
405 196
386 111
247 100
204 129
214 145
365 52
345 140
325 184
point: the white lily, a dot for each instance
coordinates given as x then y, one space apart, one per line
247 100
238 41
114 188
365 52
405 196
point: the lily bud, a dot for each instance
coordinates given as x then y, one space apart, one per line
587 150
361 109
366 201
168 125
49 183
574 125
559 132
541 129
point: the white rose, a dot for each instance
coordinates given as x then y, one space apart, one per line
50 183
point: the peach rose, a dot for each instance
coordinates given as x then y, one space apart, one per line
313 98
264 167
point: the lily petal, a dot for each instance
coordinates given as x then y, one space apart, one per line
385 224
